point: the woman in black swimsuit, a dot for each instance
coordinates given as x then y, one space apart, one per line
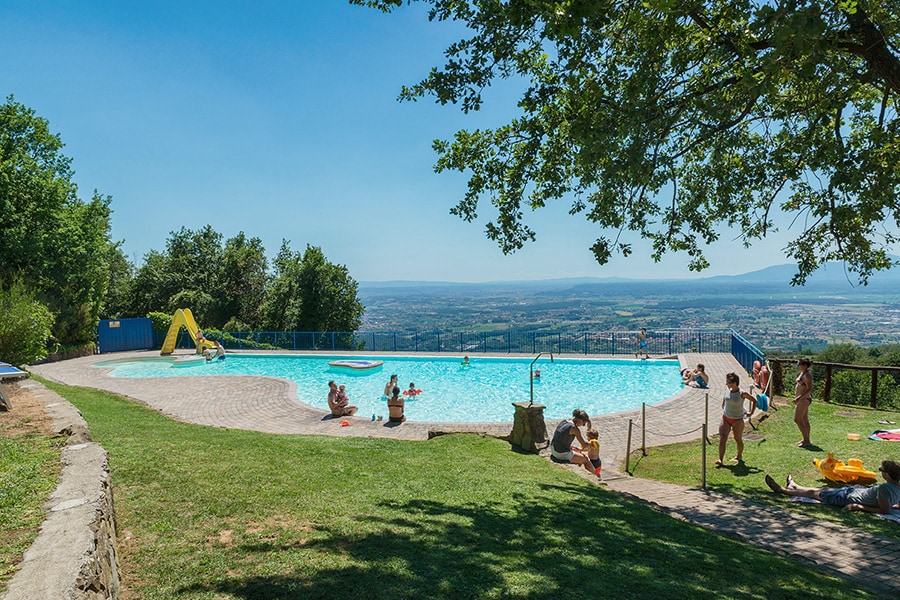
803 387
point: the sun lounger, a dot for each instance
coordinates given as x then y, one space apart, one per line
8 371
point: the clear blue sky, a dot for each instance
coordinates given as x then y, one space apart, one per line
280 119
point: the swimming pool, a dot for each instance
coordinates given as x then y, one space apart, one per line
451 392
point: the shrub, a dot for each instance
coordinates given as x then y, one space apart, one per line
25 326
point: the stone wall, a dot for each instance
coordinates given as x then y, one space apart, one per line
74 555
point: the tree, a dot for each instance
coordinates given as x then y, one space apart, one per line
24 325
309 293
674 119
121 276
244 276
152 287
51 241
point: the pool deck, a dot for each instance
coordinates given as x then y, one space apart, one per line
270 405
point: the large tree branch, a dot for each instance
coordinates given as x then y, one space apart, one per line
868 42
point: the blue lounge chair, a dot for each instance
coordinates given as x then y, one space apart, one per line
9 371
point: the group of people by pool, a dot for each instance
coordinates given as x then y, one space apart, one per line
570 445
209 354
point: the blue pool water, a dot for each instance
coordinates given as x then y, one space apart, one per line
451 392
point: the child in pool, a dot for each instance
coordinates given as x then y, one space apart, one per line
412 391
592 450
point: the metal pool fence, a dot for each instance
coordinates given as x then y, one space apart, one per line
660 342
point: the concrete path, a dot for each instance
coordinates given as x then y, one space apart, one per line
271 405
871 561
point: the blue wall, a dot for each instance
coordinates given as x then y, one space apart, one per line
118 335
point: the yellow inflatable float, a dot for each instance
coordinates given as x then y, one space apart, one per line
851 472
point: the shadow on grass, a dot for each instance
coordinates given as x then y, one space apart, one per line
741 469
559 538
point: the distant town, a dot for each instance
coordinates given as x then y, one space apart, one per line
761 306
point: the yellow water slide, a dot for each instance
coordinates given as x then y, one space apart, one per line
183 317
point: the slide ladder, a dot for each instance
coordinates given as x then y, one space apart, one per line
183 317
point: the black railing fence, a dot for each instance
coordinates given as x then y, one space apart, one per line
660 343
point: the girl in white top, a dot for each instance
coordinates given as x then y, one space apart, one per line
733 415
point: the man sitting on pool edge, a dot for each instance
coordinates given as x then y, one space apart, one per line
561 449
338 408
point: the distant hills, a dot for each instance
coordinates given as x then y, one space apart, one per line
832 278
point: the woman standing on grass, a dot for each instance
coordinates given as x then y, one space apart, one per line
733 415
803 388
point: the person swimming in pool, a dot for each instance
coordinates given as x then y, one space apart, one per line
390 385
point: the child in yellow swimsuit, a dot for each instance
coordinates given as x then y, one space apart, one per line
592 450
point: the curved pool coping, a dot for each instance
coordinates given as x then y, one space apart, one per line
271 405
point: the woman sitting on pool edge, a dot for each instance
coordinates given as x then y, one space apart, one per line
561 449
395 407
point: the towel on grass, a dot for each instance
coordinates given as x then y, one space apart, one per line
892 435
894 516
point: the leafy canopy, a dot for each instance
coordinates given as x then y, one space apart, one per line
51 241
674 119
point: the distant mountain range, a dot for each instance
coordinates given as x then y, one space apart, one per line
831 277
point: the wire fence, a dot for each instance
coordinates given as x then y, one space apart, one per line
659 343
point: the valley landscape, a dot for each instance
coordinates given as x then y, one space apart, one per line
762 306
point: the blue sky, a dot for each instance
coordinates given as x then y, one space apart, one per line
280 119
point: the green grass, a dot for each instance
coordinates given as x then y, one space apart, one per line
208 513
775 453
29 468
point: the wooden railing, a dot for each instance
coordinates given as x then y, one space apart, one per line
777 374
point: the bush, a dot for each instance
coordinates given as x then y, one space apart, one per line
25 326
235 324
161 321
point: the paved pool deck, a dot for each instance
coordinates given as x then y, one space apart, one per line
271 405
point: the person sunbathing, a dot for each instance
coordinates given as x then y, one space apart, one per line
875 499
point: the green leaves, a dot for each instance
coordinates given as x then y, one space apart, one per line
50 240
309 293
679 121
24 326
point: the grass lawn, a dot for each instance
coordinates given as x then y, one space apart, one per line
771 449
29 470
208 513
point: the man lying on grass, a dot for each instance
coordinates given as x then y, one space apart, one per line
875 499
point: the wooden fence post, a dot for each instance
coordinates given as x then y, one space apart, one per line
628 448
703 458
